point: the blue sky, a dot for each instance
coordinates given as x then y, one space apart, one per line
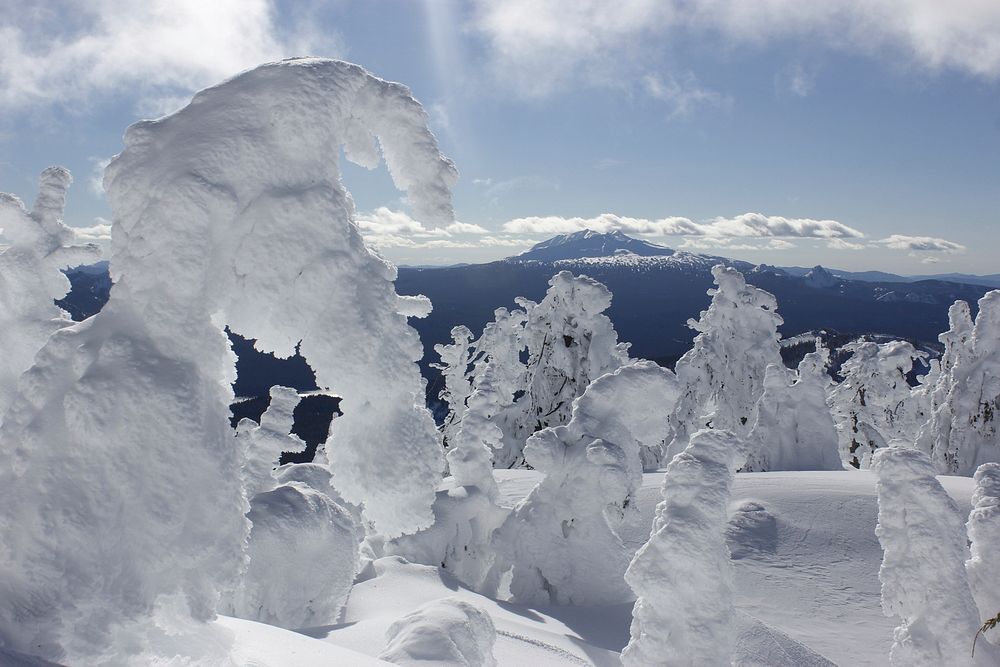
856 135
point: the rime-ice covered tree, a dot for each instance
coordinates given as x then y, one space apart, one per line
874 405
793 429
923 574
561 543
31 276
231 210
265 442
303 544
466 511
723 373
964 430
449 632
570 342
983 527
935 430
683 576
454 367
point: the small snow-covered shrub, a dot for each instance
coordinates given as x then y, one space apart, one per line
303 554
265 442
562 541
448 632
683 576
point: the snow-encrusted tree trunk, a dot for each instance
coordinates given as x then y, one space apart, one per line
983 529
966 427
793 429
119 468
874 404
570 342
723 373
31 276
683 576
923 565
561 543
454 367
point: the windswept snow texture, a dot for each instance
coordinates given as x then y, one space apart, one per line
449 632
251 166
683 576
562 541
31 276
923 575
121 477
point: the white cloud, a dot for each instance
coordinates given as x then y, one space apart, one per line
98 233
385 228
541 47
96 180
921 244
73 52
682 95
716 243
795 80
747 225
841 244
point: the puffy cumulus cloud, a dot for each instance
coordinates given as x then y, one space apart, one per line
921 244
68 52
747 225
99 233
539 47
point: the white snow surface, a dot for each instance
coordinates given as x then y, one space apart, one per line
449 632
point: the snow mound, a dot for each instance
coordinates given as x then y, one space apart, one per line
449 632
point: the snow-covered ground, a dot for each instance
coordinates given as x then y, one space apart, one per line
806 560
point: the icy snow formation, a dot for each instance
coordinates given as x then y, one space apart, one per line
31 277
570 342
303 553
119 468
936 430
562 541
449 632
683 576
984 536
266 441
923 575
793 428
455 359
966 427
723 373
874 405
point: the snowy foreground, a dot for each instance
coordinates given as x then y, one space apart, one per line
806 560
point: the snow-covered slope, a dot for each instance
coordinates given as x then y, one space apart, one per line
807 588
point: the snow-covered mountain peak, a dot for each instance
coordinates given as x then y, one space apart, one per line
820 277
588 243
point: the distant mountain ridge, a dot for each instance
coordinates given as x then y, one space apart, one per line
588 243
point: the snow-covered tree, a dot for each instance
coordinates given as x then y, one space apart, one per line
793 429
723 373
454 367
562 541
570 342
874 405
683 576
923 574
963 432
31 276
449 632
466 510
983 527
119 468
265 442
